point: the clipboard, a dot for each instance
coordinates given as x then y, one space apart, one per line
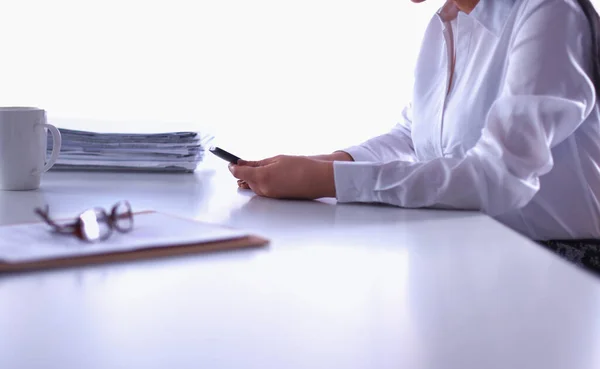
236 242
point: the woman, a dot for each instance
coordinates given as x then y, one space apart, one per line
504 119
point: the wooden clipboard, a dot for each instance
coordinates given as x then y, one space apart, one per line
244 242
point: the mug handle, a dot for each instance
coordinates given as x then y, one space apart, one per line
56 144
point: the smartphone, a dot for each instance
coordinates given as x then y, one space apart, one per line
227 156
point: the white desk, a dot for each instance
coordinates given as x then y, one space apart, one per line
341 286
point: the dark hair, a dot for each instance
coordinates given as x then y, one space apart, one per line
594 19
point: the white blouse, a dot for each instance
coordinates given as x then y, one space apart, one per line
504 119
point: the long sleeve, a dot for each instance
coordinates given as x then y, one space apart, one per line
546 96
393 145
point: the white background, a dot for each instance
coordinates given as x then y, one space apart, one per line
282 76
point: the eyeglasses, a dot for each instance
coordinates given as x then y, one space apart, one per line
95 224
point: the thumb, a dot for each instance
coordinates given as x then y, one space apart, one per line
243 172
248 163
259 163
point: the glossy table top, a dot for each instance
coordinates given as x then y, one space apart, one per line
339 286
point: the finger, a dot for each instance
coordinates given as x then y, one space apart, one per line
253 187
243 172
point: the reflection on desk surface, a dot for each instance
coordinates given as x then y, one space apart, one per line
68 193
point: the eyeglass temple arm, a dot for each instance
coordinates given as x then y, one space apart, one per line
59 228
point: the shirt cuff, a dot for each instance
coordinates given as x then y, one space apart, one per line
359 153
355 182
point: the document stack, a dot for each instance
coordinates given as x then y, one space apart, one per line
163 152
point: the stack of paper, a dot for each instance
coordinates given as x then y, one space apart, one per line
173 151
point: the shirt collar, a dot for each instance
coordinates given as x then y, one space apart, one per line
493 14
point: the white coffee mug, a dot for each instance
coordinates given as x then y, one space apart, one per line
23 145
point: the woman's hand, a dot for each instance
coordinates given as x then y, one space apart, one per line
295 177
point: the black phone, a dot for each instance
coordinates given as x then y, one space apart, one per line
227 156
